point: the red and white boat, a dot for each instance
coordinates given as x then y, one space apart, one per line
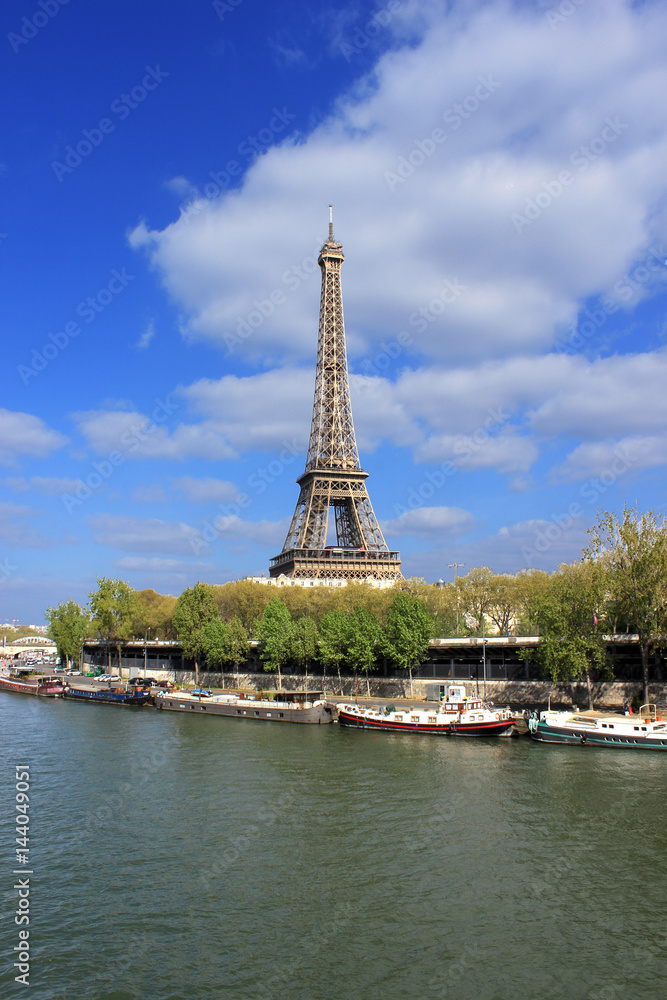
45 685
458 715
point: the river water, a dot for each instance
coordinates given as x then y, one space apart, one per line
177 857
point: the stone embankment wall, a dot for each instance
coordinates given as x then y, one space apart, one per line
518 694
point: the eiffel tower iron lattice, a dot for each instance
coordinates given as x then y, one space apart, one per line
333 477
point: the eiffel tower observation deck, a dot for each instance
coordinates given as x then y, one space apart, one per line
333 478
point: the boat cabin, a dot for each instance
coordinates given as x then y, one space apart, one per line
300 697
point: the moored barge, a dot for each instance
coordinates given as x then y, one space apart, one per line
107 696
458 715
293 706
43 685
646 731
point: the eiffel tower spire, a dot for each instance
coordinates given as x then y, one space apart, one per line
333 477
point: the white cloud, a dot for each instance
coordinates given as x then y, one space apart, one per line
430 522
450 217
145 564
206 490
507 451
609 460
235 530
607 397
265 412
153 493
533 544
16 528
146 337
49 486
25 434
146 535
137 436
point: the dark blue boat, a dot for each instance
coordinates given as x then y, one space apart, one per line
108 696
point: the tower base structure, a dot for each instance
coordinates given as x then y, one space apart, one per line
335 563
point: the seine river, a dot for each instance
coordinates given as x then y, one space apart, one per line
176 857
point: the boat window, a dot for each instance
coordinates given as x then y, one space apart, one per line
398 718
281 714
432 718
643 729
414 718
610 726
604 725
637 728
256 713
238 711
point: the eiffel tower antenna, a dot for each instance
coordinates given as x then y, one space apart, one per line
333 477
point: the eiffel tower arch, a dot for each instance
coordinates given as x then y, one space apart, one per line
333 478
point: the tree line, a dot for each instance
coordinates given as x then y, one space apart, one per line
618 586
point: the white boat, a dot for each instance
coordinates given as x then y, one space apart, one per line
292 706
646 731
458 715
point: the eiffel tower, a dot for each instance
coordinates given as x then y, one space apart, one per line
333 477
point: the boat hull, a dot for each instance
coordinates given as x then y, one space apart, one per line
494 728
317 714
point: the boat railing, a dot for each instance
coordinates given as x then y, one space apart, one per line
648 713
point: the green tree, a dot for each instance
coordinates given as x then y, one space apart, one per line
364 642
155 614
272 631
503 603
530 585
225 643
302 646
572 634
114 607
195 608
69 625
475 597
408 632
333 640
633 549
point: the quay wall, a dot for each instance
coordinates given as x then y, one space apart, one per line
519 694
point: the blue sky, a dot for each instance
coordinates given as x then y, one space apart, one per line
498 176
